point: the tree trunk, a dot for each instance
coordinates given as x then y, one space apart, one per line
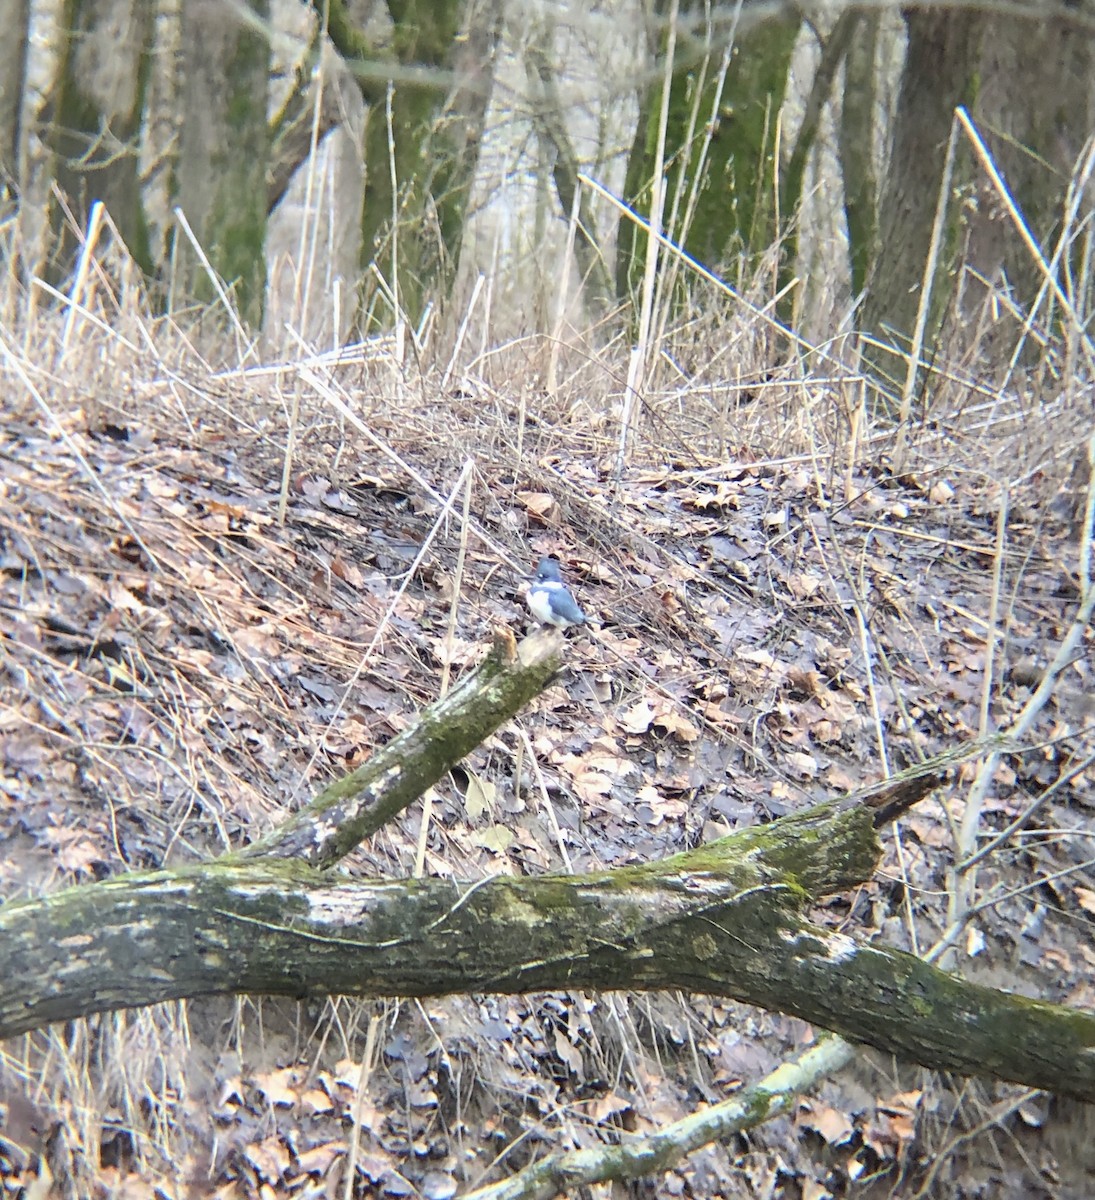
224 149
1035 109
434 141
99 99
940 72
834 50
734 219
856 144
291 129
15 19
550 124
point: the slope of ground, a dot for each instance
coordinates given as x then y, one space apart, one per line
776 618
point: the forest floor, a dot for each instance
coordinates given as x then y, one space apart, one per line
778 615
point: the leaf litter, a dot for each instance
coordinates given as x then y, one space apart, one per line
174 694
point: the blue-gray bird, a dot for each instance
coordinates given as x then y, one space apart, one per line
550 598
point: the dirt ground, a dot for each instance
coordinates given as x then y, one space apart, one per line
779 614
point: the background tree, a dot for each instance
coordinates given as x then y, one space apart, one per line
224 147
857 134
939 73
15 18
549 117
722 139
1036 109
423 133
98 102
426 74
1026 80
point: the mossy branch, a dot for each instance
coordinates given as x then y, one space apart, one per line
725 919
352 808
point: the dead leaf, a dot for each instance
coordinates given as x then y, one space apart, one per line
1058 961
457 653
941 492
639 718
568 1053
834 1126
902 1102
437 1185
318 1160
539 504
591 785
75 851
658 807
315 1102
675 724
480 796
805 764
497 839
802 584
608 1105
270 1158
808 681
123 599
280 1087
604 755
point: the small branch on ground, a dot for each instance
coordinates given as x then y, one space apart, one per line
352 808
771 1097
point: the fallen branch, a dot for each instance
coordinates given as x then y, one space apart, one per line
724 919
777 1093
354 807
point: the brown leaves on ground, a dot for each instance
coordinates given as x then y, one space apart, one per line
179 670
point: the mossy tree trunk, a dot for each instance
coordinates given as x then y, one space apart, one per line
15 20
727 919
437 118
224 148
856 139
735 218
97 108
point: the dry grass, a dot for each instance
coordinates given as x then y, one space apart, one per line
180 666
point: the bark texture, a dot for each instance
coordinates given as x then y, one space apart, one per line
15 20
1027 79
856 137
725 919
734 218
224 147
940 72
97 119
1035 108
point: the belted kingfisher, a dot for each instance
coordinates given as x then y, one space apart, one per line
550 598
